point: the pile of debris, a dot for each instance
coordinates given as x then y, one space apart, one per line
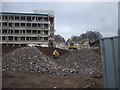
31 59
84 60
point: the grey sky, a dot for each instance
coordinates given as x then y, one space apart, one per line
75 18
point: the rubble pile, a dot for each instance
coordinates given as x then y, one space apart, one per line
84 60
31 59
28 59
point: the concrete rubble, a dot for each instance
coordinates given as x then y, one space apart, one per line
31 59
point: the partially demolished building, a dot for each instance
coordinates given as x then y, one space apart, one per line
27 28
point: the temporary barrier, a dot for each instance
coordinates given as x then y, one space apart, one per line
110 50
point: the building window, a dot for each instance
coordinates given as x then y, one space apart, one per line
28 31
40 25
16 24
11 24
22 38
4 31
28 18
16 17
34 18
16 38
45 38
27 38
46 19
11 17
40 18
34 25
16 31
22 31
39 32
28 24
34 31
46 32
46 26
10 38
4 23
34 38
22 17
3 38
22 24
4 17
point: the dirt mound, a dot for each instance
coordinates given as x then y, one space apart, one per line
31 59
27 59
84 60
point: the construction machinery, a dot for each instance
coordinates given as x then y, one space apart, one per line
72 45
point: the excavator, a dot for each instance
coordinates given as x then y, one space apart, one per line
72 45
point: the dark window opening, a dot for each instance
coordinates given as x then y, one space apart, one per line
4 18
16 38
34 25
4 23
10 24
22 17
22 38
28 18
28 24
27 38
34 38
22 24
51 34
34 18
22 31
40 18
46 32
45 38
34 31
11 17
46 19
39 32
10 38
17 31
16 17
4 31
17 24
3 38
45 25
28 31
39 25
51 20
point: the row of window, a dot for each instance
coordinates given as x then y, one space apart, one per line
25 25
5 31
11 38
25 18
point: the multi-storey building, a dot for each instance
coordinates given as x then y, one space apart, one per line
27 28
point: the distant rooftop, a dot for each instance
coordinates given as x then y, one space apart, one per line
35 12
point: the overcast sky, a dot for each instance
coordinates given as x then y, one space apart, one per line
75 18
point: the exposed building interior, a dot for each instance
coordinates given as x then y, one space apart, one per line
26 28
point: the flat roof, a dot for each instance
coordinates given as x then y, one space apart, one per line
25 13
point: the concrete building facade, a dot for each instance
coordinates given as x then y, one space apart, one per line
26 28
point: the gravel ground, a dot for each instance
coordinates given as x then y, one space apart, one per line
39 61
